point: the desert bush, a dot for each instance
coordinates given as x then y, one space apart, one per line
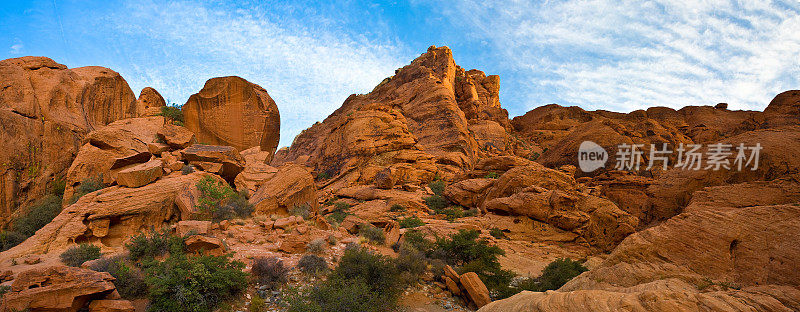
372 233
471 212
417 240
257 304
4 289
452 213
10 239
361 282
397 208
411 263
77 255
435 202
437 187
37 216
147 246
471 254
129 278
323 176
316 246
312 264
410 222
497 233
58 187
270 271
88 185
187 169
218 201
172 112
492 175
200 284
339 213
558 273
301 210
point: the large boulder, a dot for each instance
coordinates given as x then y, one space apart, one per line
224 161
150 102
140 175
46 110
235 112
57 288
290 186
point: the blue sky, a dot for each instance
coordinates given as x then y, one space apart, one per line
310 55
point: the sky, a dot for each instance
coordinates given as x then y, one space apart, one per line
310 55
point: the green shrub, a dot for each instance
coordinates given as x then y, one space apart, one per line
411 263
323 176
452 213
471 212
172 112
312 264
534 156
58 187
37 216
339 213
470 254
435 202
88 185
270 272
301 210
257 304
77 255
361 282
410 222
372 233
218 201
397 208
3 290
497 233
492 175
316 246
129 278
200 284
437 187
10 239
417 240
558 273
154 244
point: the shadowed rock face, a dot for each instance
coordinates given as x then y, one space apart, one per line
234 112
46 110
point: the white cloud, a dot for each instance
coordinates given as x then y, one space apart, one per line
16 48
309 69
626 55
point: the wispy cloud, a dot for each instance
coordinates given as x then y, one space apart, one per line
308 68
626 55
16 48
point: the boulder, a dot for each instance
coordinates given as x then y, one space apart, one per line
46 111
290 186
150 102
224 161
107 217
187 227
468 193
157 148
109 149
140 175
205 245
475 289
176 137
256 170
57 288
234 112
111 306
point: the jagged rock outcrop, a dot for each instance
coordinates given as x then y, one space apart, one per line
46 110
234 112
150 102
431 116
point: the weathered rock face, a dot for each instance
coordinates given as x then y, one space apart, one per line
235 112
150 102
431 116
290 186
222 160
107 217
45 112
725 251
57 288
